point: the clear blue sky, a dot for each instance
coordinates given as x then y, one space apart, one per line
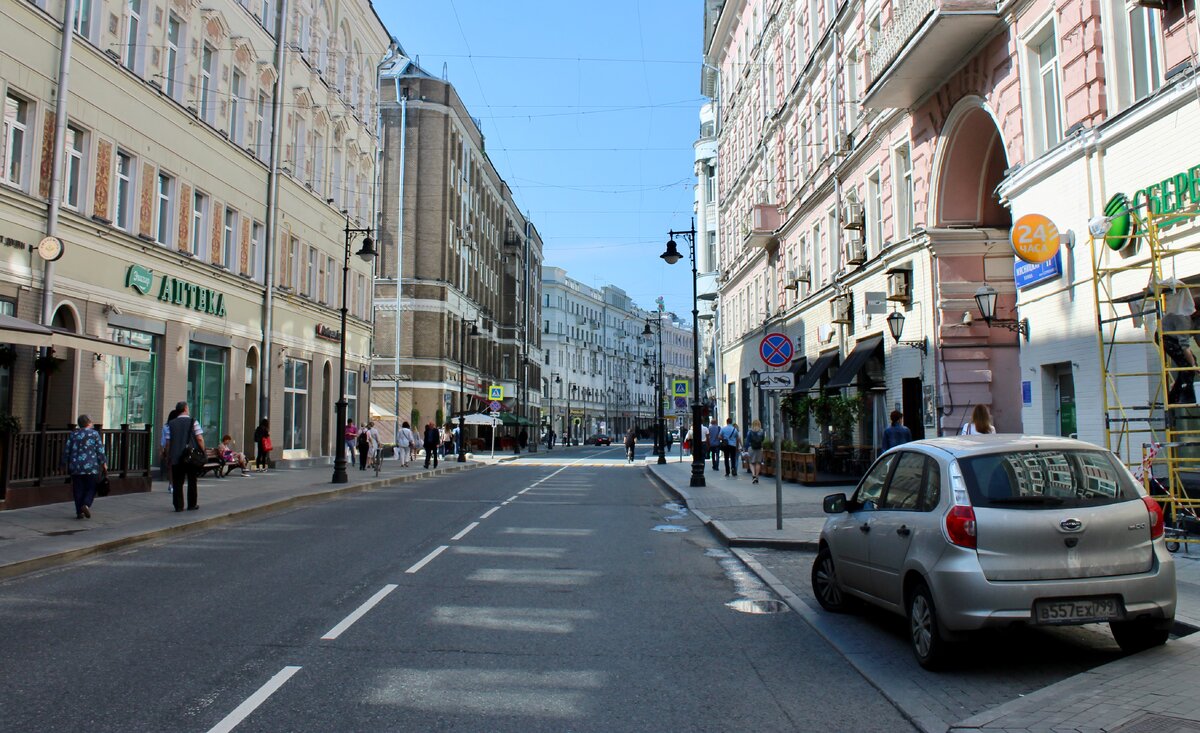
589 112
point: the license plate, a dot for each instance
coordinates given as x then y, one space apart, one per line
1076 610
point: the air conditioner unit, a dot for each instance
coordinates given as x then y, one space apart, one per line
841 307
790 282
804 275
898 287
856 253
845 142
852 216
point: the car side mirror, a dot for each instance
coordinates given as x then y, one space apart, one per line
834 504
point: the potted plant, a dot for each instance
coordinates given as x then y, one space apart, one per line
768 465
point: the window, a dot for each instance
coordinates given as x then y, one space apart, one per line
199 230
904 490
262 125
128 383
851 100
874 27
818 134
75 180
361 296
352 379
16 140
835 242
166 196
310 276
124 195
236 85
84 21
206 387
318 181
229 239
133 36
322 273
874 214
257 263
330 282
204 103
932 493
817 245
7 308
870 491
268 15
336 194
295 404
1044 110
174 34
902 182
1133 34
300 153
1048 479
295 264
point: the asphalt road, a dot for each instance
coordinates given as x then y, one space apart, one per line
561 592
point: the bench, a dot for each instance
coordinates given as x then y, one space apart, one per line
215 463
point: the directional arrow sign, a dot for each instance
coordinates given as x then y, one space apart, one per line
777 380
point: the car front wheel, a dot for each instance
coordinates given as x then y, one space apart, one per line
1137 636
926 636
825 583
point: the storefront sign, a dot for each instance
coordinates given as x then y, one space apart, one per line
1034 238
1029 273
14 243
1164 197
176 291
327 333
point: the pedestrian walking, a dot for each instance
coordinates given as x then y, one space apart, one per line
730 444
186 435
523 439
550 438
630 444
897 433
403 443
981 422
431 440
447 439
350 436
754 444
83 457
714 444
164 463
364 448
262 445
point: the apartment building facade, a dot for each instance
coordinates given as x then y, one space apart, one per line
458 288
208 155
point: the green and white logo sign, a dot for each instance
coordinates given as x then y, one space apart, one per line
176 291
139 278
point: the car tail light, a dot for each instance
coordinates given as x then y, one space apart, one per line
1156 517
960 526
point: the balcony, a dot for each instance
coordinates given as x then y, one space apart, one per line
926 41
758 228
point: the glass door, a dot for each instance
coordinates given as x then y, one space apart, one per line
206 389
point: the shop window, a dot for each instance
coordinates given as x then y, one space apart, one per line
7 308
18 114
902 183
352 379
123 217
295 404
129 385
1133 50
207 366
1045 112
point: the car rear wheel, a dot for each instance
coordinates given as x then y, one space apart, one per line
825 584
1140 635
924 632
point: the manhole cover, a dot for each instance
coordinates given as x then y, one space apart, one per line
669 528
745 605
1154 723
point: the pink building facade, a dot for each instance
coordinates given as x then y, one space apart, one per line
872 156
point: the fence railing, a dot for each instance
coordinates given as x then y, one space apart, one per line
35 458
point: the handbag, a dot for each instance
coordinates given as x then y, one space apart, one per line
102 486
266 444
193 456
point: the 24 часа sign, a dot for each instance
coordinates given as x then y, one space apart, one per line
176 291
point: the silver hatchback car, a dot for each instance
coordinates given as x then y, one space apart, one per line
964 533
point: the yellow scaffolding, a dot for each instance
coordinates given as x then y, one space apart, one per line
1132 282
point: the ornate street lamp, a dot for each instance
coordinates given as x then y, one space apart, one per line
895 324
985 300
659 437
672 256
367 253
462 381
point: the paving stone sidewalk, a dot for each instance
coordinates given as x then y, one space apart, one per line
1151 692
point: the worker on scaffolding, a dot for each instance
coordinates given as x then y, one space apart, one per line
1180 315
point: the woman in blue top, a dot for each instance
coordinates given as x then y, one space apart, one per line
83 456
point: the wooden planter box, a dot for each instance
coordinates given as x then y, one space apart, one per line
768 466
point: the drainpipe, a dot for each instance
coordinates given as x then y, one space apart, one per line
272 224
937 349
60 141
400 246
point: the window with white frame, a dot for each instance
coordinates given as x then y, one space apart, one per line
295 404
330 279
873 213
208 60
851 101
1045 109
268 15
262 109
1132 49
18 114
361 296
337 166
310 279
75 179
229 239
199 224
257 263
806 261
123 200
299 147
85 18
237 85
818 133
132 57
902 183
874 28
805 150
318 179
835 241
172 68
165 196
817 245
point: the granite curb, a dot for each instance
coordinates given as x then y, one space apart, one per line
21 567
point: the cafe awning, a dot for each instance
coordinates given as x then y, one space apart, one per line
855 362
812 376
15 330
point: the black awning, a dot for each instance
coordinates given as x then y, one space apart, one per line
813 375
799 366
855 362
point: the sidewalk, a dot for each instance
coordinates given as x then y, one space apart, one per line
1151 692
48 535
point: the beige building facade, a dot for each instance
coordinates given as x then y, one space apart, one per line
205 170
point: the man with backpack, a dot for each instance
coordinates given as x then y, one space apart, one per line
186 437
714 444
730 442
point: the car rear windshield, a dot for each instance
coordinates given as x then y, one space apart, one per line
1046 479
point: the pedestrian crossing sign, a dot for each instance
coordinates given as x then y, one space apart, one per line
679 387
496 392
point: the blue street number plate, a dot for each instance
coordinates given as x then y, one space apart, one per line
1077 610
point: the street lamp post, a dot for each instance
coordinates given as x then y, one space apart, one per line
462 381
367 253
660 439
672 256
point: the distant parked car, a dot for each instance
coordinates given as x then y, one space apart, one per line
964 533
599 439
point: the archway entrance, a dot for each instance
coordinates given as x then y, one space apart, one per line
60 402
972 166
250 410
326 409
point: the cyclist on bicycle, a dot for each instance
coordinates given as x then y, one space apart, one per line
630 444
